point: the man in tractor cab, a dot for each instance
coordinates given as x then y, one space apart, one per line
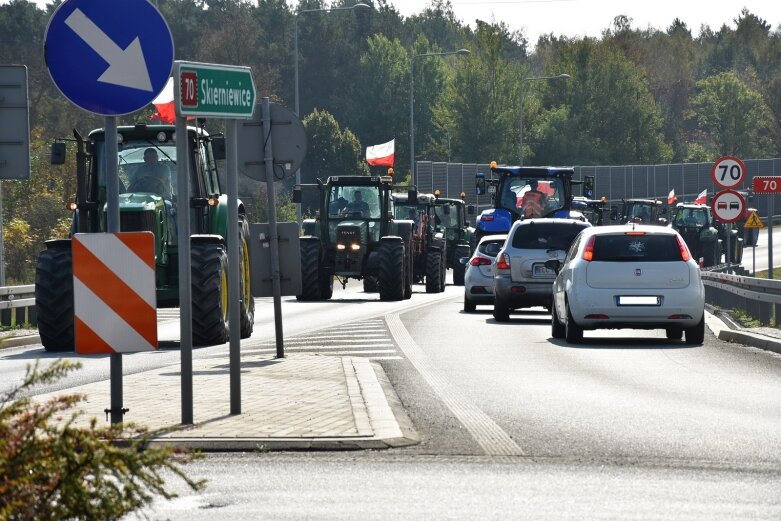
357 205
533 201
152 177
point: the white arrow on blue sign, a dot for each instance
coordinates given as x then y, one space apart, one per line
109 57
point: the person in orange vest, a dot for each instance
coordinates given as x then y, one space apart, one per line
533 201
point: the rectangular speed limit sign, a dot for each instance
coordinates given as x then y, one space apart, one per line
767 185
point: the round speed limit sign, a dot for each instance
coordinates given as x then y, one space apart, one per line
728 172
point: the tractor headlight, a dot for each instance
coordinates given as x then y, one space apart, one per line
340 247
355 246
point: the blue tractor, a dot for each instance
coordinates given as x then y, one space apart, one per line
523 192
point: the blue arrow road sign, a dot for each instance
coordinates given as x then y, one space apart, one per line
109 57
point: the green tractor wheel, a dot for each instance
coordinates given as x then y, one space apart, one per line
459 270
310 270
54 299
391 270
433 271
247 305
370 284
209 293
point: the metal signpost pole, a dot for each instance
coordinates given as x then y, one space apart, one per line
268 159
231 149
185 276
770 213
729 247
111 150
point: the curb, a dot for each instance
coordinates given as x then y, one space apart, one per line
726 330
16 341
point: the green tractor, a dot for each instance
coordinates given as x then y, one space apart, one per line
705 236
429 249
150 204
450 218
356 236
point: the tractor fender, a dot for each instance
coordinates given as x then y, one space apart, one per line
495 220
58 244
207 238
309 227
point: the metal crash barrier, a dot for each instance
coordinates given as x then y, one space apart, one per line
759 298
17 306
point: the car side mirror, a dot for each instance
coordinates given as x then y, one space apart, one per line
553 264
297 194
58 153
412 194
218 147
471 209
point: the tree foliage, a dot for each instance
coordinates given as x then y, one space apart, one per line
51 469
634 95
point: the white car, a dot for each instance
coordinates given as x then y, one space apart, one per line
479 276
521 279
628 276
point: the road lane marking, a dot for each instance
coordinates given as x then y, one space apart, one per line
491 438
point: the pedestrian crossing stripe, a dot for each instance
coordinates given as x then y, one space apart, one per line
754 221
114 292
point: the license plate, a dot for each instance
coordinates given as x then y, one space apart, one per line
635 300
541 271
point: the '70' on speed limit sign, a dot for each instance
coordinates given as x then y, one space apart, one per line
767 185
728 172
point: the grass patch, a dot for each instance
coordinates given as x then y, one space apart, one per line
744 319
763 274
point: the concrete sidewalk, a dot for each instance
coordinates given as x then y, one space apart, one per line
302 402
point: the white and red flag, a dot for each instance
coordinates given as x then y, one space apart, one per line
164 103
381 155
702 197
671 197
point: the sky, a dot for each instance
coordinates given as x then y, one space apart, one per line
575 18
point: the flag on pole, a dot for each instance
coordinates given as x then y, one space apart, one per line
381 155
164 103
702 197
671 197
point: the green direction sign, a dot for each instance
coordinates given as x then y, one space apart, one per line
208 89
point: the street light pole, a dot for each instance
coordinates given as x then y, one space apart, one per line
523 94
295 74
412 105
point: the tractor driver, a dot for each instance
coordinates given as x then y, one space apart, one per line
357 205
533 201
152 176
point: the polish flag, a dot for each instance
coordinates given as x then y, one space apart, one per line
164 103
671 197
702 197
381 155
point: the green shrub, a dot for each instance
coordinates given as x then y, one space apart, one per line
50 469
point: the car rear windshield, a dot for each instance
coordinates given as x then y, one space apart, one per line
490 248
629 248
546 236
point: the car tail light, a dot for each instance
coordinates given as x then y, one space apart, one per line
588 251
679 317
503 262
479 261
685 255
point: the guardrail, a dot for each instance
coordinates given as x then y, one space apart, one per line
17 305
759 298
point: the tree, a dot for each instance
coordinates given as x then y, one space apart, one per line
51 469
331 151
480 108
731 119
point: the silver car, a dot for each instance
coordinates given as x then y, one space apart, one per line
628 276
521 279
479 276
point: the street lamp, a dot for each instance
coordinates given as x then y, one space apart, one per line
523 93
295 68
412 104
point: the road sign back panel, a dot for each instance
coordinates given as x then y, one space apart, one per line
109 57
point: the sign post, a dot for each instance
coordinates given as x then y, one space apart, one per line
227 91
728 172
111 59
753 222
768 185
